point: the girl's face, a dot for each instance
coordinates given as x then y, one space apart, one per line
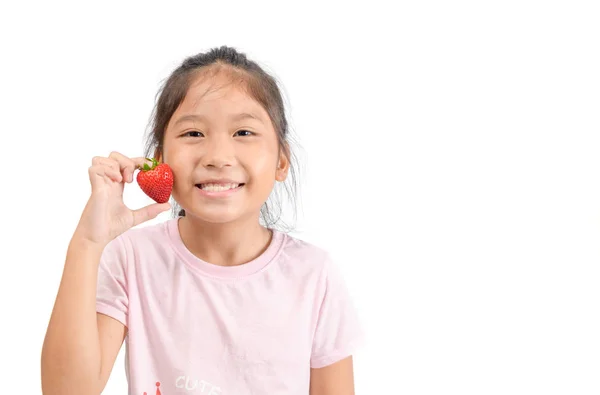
216 138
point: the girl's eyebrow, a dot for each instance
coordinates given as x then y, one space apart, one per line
198 117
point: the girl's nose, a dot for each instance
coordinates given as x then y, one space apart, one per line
219 153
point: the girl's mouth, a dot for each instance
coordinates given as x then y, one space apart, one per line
218 190
219 187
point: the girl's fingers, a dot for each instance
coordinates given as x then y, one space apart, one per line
105 171
128 165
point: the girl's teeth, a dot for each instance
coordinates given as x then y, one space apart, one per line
218 187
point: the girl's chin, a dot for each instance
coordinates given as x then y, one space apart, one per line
215 215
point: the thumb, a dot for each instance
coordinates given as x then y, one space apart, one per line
149 212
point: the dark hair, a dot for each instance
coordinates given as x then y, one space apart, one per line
261 86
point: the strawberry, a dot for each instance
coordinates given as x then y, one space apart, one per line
156 181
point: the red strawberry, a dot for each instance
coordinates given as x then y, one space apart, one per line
156 181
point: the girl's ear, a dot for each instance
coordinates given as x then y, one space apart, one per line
283 165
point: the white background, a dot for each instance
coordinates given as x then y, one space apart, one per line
450 156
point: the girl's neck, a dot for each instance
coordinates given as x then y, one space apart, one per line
229 244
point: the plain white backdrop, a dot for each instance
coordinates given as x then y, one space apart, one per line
450 156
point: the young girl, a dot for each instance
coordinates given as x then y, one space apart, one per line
211 301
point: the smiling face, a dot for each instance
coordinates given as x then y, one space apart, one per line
224 152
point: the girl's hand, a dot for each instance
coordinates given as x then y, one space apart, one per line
105 216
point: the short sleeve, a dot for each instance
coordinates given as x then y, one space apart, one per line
111 293
339 332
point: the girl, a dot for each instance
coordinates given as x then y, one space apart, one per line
215 300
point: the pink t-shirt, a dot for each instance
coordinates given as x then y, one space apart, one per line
199 328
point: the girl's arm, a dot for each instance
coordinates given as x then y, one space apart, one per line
335 379
81 345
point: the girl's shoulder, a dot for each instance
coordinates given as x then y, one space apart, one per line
300 247
308 253
145 237
160 230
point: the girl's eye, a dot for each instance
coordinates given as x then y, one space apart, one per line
196 134
244 133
